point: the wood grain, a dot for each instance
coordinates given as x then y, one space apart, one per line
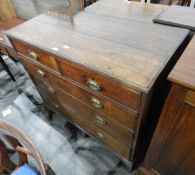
128 59
178 16
92 130
184 71
7 10
115 43
144 12
109 109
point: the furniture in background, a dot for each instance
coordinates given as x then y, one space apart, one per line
172 150
14 141
6 47
177 16
41 6
103 80
143 12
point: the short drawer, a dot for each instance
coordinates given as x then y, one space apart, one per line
99 84
88 127
105 123
99 104
36 54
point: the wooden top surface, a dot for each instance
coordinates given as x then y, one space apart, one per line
127 9
178 16
130 52
184 71
6 25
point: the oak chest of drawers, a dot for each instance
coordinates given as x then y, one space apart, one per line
103 73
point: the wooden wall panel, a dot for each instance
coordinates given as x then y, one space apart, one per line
6 10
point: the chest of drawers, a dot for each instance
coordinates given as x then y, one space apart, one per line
94 70
172 150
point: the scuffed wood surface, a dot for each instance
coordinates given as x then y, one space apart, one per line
178 16
144 12
130 52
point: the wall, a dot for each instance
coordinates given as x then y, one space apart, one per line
27 9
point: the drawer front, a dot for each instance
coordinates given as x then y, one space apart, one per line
103 106
3 50
99 84
190 98
108 125
91 129
85 77
36 55
48 97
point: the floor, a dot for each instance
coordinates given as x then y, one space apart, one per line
67 150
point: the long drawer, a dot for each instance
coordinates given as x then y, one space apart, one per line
63 103
48 91
85 77
108 125
91 129
107 108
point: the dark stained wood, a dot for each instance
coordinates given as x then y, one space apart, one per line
80 75
171 151
64 107
184 71
92 130
119 114
120 133
141 63
129 98
108 66
49 99
144 12
36 55
178 16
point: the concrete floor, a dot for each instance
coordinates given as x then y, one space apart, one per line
67 150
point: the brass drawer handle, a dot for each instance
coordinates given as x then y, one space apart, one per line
40 73
33 55
96 103
56 105
100 120
100 135
51 90
92 84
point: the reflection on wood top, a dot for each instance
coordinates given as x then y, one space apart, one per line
144 12
178 16
130 52
184 71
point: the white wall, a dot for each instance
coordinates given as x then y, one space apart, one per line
29 8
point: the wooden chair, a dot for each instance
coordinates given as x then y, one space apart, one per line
15 141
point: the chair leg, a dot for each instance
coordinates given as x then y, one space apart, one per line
5 66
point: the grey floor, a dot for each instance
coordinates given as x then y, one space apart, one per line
67 150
